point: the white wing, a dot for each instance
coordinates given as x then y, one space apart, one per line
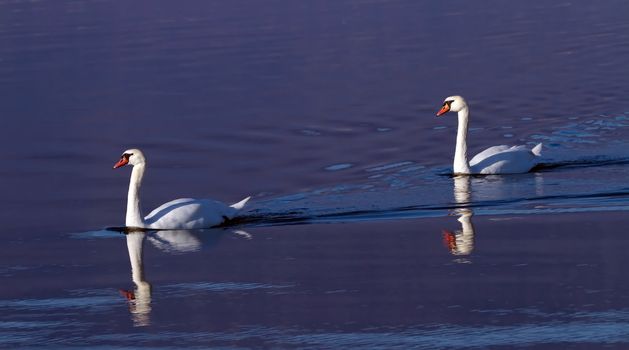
487 153
188 213
504 160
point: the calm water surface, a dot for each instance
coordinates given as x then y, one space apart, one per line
324 112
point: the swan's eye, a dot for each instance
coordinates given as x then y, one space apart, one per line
448 103
126 156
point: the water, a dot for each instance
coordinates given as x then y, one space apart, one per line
324 112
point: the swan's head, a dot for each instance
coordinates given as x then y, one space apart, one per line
452 103
131 156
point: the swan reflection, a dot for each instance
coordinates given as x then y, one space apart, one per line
140 298
171 241
175 241
461 242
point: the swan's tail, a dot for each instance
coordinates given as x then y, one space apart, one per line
537 150
240 204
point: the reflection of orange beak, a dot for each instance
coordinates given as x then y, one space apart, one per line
121 162
449 240
129 295
443 110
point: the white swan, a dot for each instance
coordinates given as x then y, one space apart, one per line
183 213
494 160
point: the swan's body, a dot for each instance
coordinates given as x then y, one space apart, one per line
494 160
184 213
188 213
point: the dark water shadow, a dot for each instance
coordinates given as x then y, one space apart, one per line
593 162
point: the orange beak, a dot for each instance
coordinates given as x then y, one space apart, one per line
443 110
122 162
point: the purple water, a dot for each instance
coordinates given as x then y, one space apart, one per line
324 113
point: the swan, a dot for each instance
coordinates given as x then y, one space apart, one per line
494 160
183 213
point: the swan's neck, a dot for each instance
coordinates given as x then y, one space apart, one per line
134 215
461 166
